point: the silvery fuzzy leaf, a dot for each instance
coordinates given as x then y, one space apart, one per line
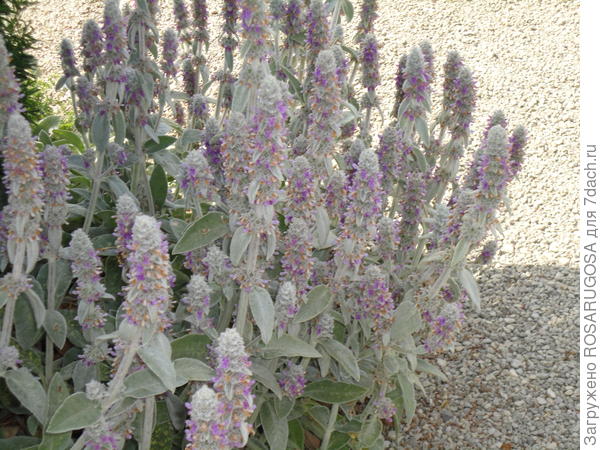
75 413
37 306
324 365
317 301
289 346
343 356
408 397
323 224
151 133
117 186
239 245
370 432
264 376
100 131
274 426
252 190
143 383
56 326
156 354
29 392
328 391
82 375
193 369
240 98
189 136
119 127
427 367
263 312
460 252
468 281
168 160
271 245
202 232
407 320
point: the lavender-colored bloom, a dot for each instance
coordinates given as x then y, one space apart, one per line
370 63
233 385
95 354
393 153
493 169
200 428
189 77
148 292
12 285
452 68
413 203
236 160
117 154
324 326
437 225
92 47
24 187
443 327
317 33
213 140
86 267
277 9
115 34
10 92
365 200
55 176
200 20
294 20
302 196
399 84
325 108
286 304
169 52
127 211
86 101
67 58
517 143
352 151
385 409
292 380
388 238
368 14
196 179
427 52
255 28
198 110
267 141
487 253
197 303
182 21
464 105
230 13
218 265
376 301
179 114
416 85
336 193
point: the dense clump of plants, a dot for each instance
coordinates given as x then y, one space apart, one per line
233 259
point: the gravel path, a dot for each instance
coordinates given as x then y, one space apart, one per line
514 374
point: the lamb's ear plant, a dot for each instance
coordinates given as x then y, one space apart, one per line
249 261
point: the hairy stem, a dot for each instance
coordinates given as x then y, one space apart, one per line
330 425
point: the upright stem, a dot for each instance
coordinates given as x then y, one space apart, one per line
97 179
330 425
9 309
51 284
149 407
240 322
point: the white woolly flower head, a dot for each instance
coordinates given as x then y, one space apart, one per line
204 405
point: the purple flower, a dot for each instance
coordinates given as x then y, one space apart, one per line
67 58
293 22
317 33
375 301
190 80
181 13
10 93
255 28
169 53
200 22
286 304
387 238
487 252
233 385
115 34
202 428
413 203
464 105
213 140
149 278
427 52
452 67
370 63
385 409
25 191
230 12
92 46
493 169
517 143
197 302
365 202
196 179
87 269
198 110
443 327
368 14
399 84
336 194
55 176
416 85
393 153
86 101
292 380
127 211
302 196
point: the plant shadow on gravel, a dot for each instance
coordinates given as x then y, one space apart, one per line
513 377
